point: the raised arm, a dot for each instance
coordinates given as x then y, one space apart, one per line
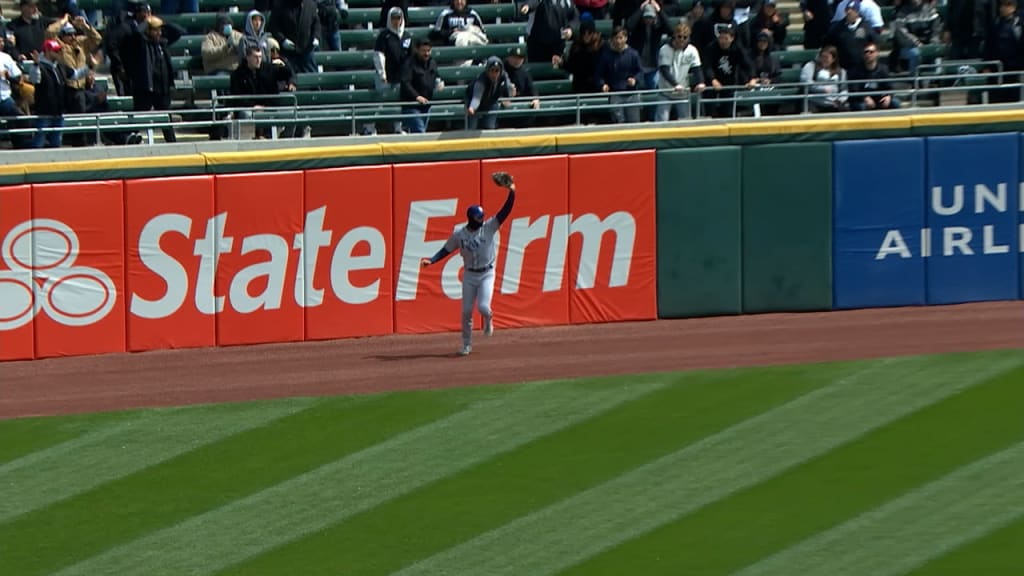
506 209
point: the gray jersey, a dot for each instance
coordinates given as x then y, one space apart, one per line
477 247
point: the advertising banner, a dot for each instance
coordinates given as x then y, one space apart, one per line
78 267
18 306
145 264
532 242
612 237
430 201
259 284
878 218
170 228
348 257
971 240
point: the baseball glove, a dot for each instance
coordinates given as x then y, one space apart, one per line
503 179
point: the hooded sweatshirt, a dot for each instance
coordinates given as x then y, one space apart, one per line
484 94
255 37
392 47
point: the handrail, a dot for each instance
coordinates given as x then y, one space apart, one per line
217 114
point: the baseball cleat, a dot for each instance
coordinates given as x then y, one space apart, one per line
488 327
465 350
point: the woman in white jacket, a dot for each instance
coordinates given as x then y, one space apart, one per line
828 79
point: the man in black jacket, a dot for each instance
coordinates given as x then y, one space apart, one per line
726 65
1005 43
29 31
965 26
550 24
295 24
522 85
869 83
258 77
50 77
850 35
419 80
147 61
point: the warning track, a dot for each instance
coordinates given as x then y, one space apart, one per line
365 365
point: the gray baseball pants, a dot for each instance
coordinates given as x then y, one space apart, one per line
477 288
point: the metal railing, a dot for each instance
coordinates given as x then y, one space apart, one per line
284 110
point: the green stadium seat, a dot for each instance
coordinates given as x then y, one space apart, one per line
344 59
336 80
464 74
361 38
789 76
444 54
189 44
795 57
210 83
794 37
553 87
545 71
335 97
190 63
202 22
120 103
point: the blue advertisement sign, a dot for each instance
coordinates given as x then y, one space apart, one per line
878 215
971 243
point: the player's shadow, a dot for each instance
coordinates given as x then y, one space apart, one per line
399 357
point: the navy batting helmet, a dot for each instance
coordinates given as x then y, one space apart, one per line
475 212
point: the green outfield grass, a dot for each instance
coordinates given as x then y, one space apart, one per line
886 467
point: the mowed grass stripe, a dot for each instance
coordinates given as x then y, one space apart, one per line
823 492
319 498
998 553
122 447
581 526
211 476
907 532
23 436
537 474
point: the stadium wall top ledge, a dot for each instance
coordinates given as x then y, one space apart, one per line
224 157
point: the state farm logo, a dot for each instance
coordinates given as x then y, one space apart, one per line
41 275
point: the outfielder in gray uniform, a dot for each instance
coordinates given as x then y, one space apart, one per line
475 242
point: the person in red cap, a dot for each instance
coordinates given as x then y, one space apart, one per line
50 77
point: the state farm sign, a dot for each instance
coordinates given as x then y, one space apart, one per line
289 256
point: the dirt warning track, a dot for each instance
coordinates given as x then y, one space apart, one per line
177 377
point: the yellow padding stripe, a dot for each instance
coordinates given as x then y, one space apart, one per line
181 161
709 131
468 144
967 118
298 153
819 124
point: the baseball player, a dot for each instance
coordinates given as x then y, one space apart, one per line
475 242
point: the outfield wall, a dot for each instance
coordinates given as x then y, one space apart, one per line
237 248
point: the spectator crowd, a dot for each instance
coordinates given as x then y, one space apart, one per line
657 54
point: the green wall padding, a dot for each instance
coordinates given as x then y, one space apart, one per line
787 227
699 246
